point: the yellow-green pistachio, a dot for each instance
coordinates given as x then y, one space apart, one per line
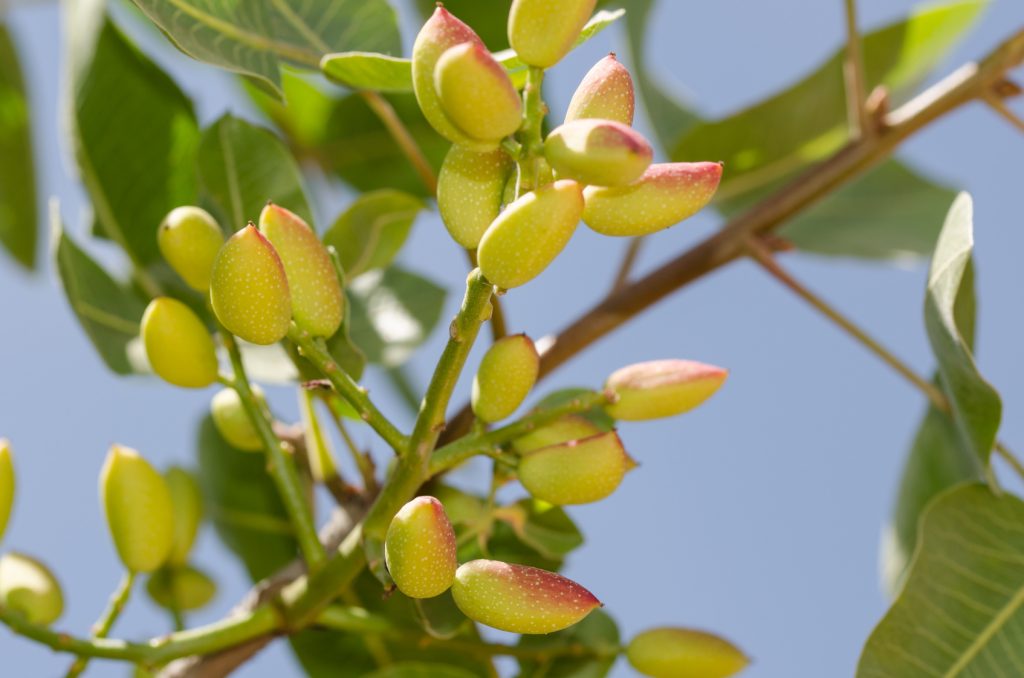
542 32
183 588
605 92
29 588
420 549
187 500
476 93
7 484
684 653
178 345
138 509
232 421
506 374
189 238
661 388
575 472
598 152
469 191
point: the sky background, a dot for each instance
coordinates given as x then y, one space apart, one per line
757 516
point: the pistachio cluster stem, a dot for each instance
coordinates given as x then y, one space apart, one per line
106 621
533 119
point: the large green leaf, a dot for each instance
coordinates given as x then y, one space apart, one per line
393 312
597 633
373 229
18 230
976 405
254 37
808 121
242 166
961 612
243 503
134 133
108 311
488 19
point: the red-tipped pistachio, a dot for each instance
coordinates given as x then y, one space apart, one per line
506 374
182 588
317 299
530 233
605 92
178 346
441 32
469 192
138 508
249 288
187 500
476 93
661 388
189 238
232 421
576 472
7 484
684 653
598 152
420 549
664 195
542 32
518 598
566 429
30 589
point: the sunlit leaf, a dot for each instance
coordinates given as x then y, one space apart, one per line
373 229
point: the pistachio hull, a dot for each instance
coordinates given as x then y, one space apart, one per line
605 92
662 388
178 346
506 374
420 549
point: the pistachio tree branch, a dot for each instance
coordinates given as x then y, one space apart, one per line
968 83
628 262
101 629
279 466
1000 107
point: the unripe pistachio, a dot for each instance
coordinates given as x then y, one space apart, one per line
30 589
182 588
576 472
317 300
7 484
506 374
598 152
189 238
187 501
664 195
530 233
684 653
249 288
476 93
566 429
420 549
232 421
542 32
138 508
469 192
178 346
441 32
519 598
661 388
605 92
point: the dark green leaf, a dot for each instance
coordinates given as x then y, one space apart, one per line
961 612
243 504
242 166
563 396
18 218
256 36
976 405
808 121
134 132
393 312
597 633
369 70
108 311
422 670
372 230
488 19
546 529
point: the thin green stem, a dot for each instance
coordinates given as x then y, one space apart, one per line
853 71
530 132
1010 458
315 352
413 466
279 467
453 454
362 460
322 463
101 629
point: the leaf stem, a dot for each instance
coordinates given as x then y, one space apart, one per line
279 466
101 629
362 460
400 133
317 353
853 73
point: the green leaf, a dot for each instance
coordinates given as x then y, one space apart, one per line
393 312
242 166
369 70
134 132
808 121
976 405
597 633
243 504
373 229
488 19
421 670
108 311
546 529
256 36
18 218
961 612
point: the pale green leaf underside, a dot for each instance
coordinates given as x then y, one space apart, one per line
961 613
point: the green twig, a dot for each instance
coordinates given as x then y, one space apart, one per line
279 466
101 629
363 461
532 144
